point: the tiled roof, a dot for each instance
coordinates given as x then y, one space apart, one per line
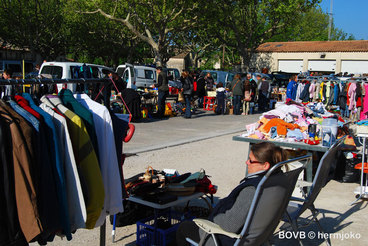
180 56
315 46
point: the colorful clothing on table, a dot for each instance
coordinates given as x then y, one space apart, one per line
281 125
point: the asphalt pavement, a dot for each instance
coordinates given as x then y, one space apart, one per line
154 134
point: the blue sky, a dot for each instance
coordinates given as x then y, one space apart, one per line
349 15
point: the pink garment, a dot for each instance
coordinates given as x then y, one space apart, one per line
312 90
363 113
352 94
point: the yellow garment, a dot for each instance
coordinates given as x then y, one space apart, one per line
88 168
262 122
320 93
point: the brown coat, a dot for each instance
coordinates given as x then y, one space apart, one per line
25 193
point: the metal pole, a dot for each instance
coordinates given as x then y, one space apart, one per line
330 21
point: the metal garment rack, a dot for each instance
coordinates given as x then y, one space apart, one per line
37 81
362 190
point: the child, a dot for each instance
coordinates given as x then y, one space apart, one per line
220 98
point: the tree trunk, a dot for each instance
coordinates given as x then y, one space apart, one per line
158 58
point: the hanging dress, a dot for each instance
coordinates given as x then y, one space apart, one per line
364 112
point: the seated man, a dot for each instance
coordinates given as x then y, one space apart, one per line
230 212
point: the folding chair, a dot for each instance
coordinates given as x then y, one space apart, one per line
268 205
298 206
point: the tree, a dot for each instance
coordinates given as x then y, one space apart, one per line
303 30
249 23
97 39
34 24
154 22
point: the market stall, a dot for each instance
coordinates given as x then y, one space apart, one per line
308 127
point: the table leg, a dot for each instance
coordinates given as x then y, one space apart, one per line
247 150
309 173
155 216
103 234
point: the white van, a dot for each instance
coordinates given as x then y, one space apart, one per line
137 76
66 70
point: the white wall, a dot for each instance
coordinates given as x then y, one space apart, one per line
271 59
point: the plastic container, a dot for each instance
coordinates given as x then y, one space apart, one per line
167 224
326 136
329 131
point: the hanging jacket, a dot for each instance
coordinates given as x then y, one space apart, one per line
352 94
45 180
336 93
312 90
304 95
299 91
10 231
358 95
86 159
331 94
316 93
25 193
58 168
342 97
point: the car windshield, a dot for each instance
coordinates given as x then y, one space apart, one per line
55 72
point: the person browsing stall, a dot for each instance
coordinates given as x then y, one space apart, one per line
231 211
187 91
292 88
163 91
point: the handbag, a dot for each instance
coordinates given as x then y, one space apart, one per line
247 96
181 97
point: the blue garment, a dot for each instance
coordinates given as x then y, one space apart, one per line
188 108
200 102
362 122
297 134
25 114
237 104
336 93
273 132
291 90
58 168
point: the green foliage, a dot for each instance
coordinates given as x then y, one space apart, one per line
245 24
35 24
312 26
114 32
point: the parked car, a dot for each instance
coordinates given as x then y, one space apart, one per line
68 70
137 76
219 76
173 76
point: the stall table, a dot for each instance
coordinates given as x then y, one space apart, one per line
295 145
157 207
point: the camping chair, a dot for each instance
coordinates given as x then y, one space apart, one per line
297 206
268 205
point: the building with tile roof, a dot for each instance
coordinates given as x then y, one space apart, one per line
316 56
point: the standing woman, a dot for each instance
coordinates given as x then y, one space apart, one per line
201 90
236 88
187 90
247 97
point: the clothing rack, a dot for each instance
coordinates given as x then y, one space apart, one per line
37 81
49 81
